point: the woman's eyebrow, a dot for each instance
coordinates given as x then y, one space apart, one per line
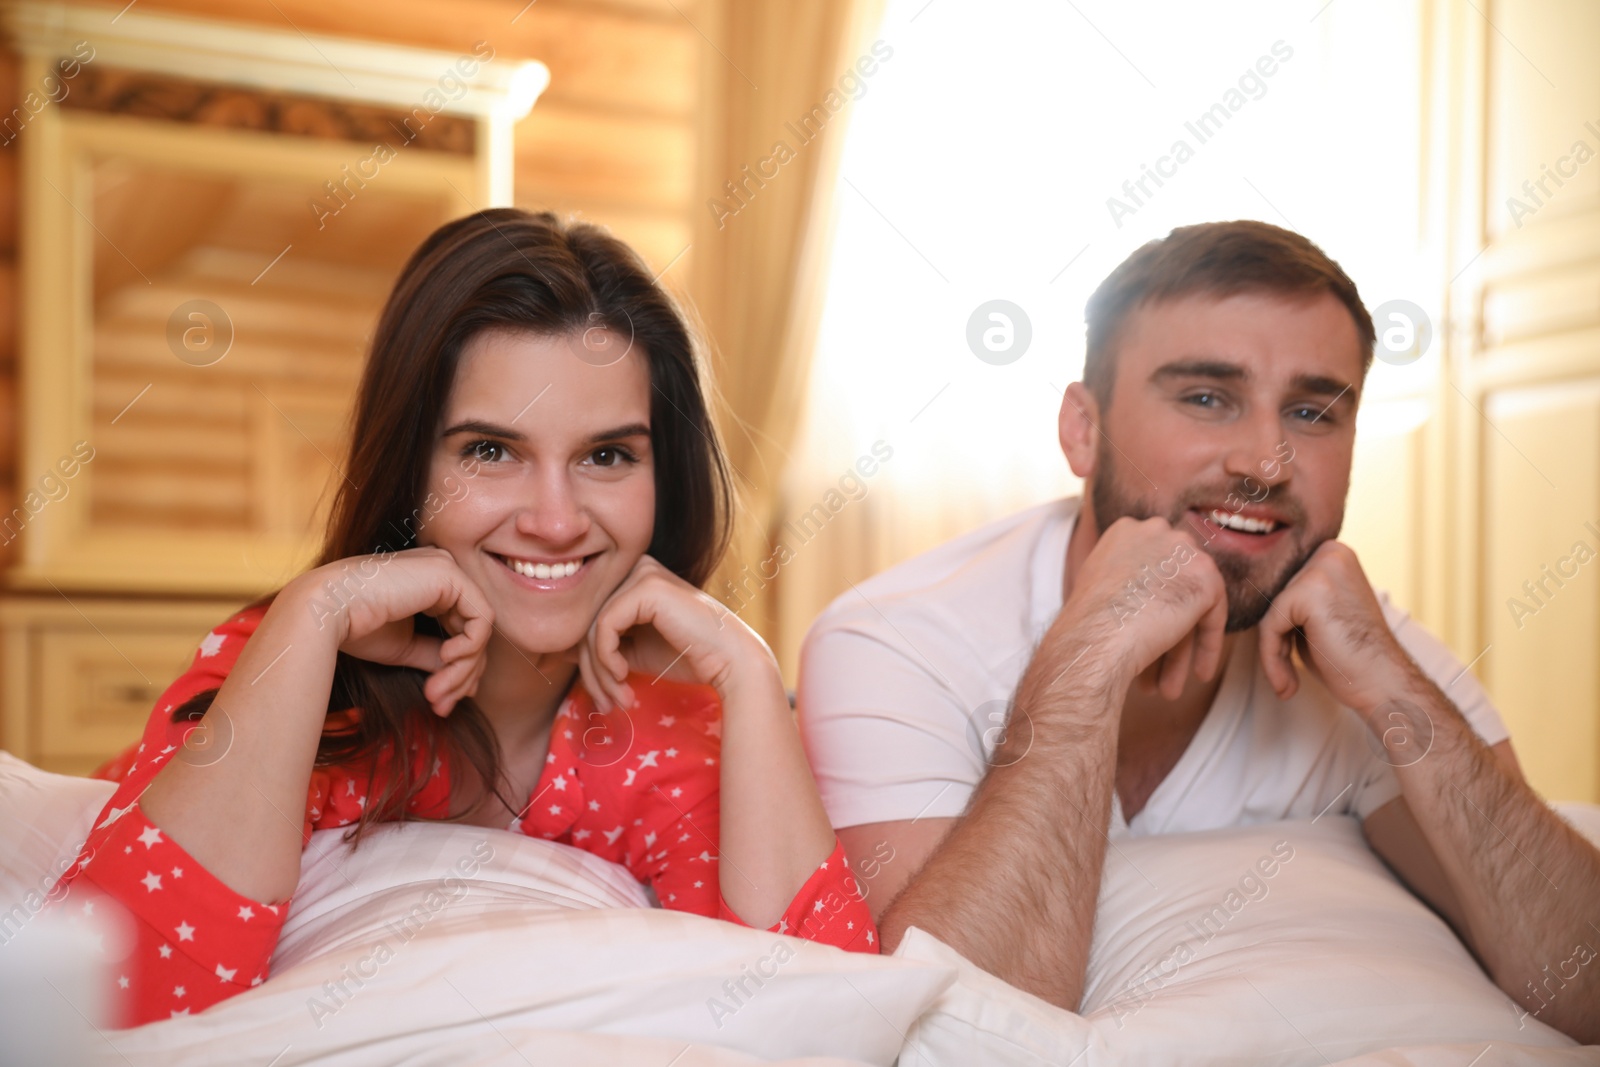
506 433
632 429
484 429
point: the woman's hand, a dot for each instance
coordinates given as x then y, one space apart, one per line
658 624
368 603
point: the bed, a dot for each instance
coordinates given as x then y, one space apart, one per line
1283 943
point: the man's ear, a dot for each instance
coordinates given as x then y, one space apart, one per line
1079 427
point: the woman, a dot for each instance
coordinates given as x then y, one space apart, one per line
505 629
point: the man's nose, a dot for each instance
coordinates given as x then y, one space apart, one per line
1260 451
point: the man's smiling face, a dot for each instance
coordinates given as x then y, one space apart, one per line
1235 417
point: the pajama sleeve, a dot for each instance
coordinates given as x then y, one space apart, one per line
194 941
663 798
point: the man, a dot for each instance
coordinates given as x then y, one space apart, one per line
981 717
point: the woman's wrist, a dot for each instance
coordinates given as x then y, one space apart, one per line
752 680
303 607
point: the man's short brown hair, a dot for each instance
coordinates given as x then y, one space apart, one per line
1217 259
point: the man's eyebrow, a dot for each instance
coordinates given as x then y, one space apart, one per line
1216 369
506 433
1321 384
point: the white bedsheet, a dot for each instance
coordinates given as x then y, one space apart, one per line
545 955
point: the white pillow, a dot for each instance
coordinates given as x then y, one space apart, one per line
430 935
1287 943
44 820
350 896
47 968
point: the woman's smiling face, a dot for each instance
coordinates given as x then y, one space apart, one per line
554 452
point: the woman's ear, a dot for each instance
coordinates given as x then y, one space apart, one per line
1079 427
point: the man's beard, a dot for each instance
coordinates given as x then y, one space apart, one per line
1249 594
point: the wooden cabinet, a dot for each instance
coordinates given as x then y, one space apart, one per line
1517 561
82 676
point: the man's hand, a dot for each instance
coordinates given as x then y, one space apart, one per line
1147 593
1468 834
1330 614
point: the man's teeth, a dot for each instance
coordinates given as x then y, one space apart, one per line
1239 522
545 570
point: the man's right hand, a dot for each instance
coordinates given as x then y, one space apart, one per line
1146 594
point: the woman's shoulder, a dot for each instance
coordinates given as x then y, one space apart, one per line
673 723
681 698
676 714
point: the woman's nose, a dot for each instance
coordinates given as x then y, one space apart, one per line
553 513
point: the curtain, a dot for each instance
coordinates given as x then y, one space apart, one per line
775 116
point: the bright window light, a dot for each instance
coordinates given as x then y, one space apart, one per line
981 164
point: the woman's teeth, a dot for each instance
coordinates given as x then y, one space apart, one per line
1244 525
545 570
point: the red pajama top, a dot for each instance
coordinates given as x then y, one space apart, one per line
640 789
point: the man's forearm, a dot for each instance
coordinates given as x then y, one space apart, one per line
1528 883
1014 886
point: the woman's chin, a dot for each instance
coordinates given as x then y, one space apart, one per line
541 644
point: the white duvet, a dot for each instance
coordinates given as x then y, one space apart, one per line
434 944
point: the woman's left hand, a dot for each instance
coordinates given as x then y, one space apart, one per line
656 623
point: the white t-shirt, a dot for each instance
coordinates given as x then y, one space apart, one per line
903 686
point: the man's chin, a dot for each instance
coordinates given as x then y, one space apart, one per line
1251 588
1253 585
1245 609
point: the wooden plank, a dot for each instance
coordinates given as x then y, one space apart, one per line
152 489
569 154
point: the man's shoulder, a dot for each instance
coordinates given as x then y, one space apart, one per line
972 577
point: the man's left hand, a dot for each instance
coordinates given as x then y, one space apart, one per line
1329 612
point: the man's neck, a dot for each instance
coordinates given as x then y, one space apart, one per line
1154 732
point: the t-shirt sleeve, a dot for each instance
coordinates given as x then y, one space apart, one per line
195 941
1447 672
1375 785
1378 784
887 739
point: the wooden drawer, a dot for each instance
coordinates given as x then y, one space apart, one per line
81 676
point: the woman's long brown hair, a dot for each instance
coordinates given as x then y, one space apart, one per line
498 269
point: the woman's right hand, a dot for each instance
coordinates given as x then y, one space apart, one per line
368 603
